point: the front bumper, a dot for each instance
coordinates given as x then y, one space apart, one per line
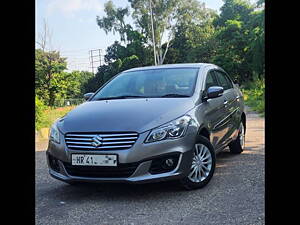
136 165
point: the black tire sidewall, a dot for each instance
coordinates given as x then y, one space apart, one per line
235 146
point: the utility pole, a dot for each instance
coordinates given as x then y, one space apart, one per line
154 51
95 53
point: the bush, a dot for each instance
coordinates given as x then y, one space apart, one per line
39 112
254 95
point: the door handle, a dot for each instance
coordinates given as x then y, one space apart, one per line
225 102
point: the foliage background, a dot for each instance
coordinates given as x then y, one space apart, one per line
185 32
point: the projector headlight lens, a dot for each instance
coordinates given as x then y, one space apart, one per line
54 134
172 130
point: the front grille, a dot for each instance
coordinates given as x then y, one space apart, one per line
121 171
108 141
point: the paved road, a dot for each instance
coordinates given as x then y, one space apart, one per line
235 195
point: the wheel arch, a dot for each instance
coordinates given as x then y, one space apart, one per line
203 131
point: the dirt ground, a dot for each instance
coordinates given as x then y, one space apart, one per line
235 195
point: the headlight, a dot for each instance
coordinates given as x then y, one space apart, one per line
54 133
172 130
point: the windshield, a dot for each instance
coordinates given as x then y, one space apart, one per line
155 83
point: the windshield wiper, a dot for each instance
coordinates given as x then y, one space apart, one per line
174 95
121 97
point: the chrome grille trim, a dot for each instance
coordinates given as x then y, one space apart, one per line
104 142
121 138
97 148
79 139
103 135
110 141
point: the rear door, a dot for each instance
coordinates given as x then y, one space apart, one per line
229 105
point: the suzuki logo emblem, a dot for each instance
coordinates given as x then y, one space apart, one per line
97 141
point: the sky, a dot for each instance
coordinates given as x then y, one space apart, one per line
74 31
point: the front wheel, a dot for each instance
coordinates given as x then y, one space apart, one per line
202 166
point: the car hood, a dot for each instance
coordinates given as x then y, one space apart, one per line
137 115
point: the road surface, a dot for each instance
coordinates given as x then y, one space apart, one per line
235 195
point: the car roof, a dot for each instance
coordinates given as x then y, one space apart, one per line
169 66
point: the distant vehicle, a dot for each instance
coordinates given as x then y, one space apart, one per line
150 124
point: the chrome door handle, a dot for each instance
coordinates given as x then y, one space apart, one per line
225 102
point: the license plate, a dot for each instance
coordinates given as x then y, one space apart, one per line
94 160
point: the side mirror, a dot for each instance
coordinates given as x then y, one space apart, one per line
88 95
236 82
214 92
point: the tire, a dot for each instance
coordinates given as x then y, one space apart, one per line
206 159
237 146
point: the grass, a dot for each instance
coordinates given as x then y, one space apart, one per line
254 95
50 115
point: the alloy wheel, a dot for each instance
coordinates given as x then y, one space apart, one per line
201 164
242 136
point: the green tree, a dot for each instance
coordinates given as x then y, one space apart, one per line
39 112
232 50
68 85
134 41
193 42
73 84
48 66
84 78
185 32
130 62
115 51
239 39
234 10
114 20
256 54
167 16
163 12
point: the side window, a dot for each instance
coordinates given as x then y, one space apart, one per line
210 80
224 81
138 85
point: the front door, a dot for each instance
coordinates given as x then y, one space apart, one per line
214 113
229 105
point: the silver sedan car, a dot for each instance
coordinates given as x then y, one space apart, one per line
150 124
